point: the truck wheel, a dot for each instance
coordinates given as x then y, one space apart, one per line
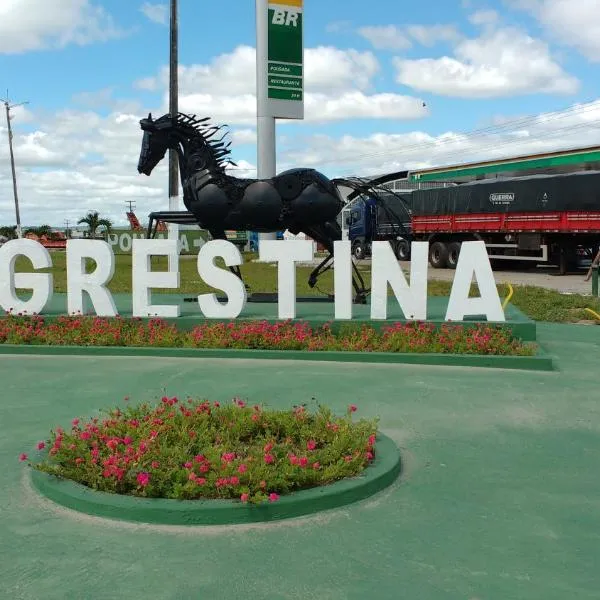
358 250
402 250
438 255
453 252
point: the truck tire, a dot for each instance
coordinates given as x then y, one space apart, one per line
358 250
402 250
453 252
438 255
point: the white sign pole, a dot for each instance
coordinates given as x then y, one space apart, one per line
279 76
265 121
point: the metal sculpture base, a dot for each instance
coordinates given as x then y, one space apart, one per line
272 298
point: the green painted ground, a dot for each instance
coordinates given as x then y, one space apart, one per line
318 311
499 500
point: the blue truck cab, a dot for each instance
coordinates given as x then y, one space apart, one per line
366 220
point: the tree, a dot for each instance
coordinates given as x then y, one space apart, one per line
94 223
40 231
9 232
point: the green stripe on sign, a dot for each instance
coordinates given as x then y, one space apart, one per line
277 69
288 82
278 94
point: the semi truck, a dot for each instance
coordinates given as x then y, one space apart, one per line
539 219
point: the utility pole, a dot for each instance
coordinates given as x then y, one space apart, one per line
8 108
67 232
174 111
131 204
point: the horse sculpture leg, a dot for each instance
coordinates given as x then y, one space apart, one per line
326 235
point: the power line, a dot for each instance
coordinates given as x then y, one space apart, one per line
8 106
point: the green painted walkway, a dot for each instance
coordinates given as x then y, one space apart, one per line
500 500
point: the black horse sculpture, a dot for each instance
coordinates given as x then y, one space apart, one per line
299 200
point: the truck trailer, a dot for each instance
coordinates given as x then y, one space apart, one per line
552 219
538 219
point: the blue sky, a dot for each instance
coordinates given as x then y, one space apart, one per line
91 68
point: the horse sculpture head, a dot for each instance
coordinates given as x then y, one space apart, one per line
192 137
155 143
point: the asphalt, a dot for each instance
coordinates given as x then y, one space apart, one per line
498 500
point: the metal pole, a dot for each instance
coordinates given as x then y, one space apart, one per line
12 166
173 110
265 123
595 281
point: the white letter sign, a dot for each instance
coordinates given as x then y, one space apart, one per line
222 280
94 284
342 279
386 269
40 283
473 260
143 278
286 253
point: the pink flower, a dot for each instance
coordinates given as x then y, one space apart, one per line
188 465
41 445
273 497
127 440
22 457
234 480
79 460
269 458
192 476
316 466
371 440
353 408
199 458
200 481
369 455
228 456
303 461
293 459
85 435
242 469
311 445
348 458
75 422
268 447
155 464
244 497
143 479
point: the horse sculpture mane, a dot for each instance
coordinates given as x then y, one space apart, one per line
299 200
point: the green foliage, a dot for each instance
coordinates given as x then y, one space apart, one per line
197 449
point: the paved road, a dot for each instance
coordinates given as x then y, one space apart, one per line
541 277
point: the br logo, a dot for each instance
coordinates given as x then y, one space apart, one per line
282 16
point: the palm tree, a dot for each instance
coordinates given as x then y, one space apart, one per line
94 222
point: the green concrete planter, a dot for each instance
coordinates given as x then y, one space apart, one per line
538 362
384 470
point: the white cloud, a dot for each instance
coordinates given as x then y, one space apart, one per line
79 160
573 22
501 62
380 153
385 37
35 24
428 35
158 13
336 87
484 17
391 37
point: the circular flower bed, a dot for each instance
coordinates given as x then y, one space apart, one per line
201 450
